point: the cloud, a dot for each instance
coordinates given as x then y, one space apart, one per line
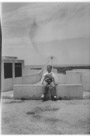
40 24
17 22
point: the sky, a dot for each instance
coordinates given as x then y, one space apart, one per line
36 31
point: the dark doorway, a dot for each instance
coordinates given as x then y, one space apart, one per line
18 69
8 70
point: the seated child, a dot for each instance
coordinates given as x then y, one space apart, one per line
48 82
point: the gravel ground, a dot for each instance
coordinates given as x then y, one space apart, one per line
37 117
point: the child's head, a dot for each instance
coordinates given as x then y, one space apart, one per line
49 68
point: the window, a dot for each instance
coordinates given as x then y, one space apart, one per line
18 69
8 70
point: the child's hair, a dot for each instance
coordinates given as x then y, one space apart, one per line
49 66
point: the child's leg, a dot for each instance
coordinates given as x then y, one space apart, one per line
53 91
45 91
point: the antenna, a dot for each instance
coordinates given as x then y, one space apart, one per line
52 57
51 60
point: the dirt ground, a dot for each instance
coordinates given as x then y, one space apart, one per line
50 117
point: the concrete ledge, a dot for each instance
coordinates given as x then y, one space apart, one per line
79 77
70 90
86 82
35 91
27 91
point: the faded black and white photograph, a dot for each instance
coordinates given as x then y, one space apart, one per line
45 68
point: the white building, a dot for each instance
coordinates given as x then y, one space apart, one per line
12 72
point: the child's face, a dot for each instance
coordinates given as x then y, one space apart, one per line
49 69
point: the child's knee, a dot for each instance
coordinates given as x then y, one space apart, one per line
52 84
45 84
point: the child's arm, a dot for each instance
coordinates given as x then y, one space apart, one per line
43 78
53 80
53 77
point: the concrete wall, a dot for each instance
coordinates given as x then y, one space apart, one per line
27 91
35 91
69 86
72 78
60 78
17 80
80 76
86 82
7 84
70 90
33 78
85 71
28 70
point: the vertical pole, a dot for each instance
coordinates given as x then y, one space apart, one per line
0 54
13 71
52 70
52 61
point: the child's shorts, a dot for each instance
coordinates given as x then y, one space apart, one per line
51 84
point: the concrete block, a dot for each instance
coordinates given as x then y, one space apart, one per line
27 91
70 90
72 78
7 84
17 80
86 82
79 76
35 91
60 78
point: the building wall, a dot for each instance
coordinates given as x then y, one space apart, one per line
71 77
7 83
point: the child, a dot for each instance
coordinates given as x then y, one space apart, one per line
48 82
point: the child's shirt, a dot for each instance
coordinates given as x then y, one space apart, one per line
53 75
